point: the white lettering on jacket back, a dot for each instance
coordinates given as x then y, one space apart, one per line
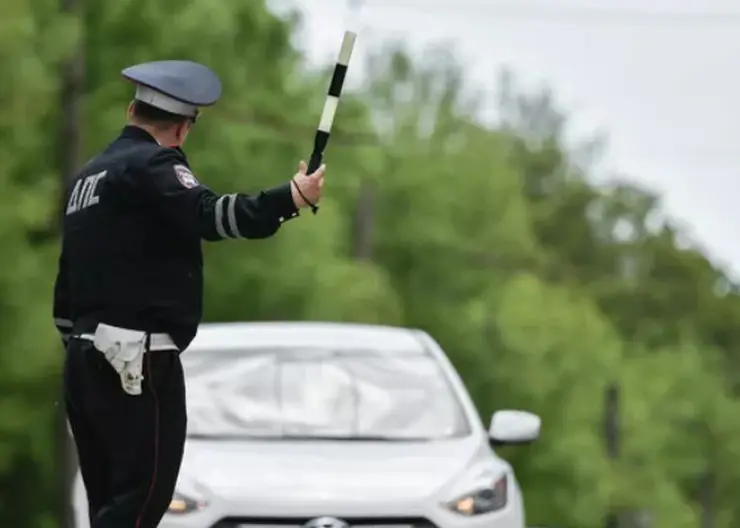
84 194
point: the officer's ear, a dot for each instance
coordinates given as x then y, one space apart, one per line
130 110
181 131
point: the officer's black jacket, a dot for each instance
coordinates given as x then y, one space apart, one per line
131 247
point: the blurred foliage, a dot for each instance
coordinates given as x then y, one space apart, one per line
543 287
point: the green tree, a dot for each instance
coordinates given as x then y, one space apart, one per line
33 42
670 305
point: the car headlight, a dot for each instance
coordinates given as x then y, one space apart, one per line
485 499
181 504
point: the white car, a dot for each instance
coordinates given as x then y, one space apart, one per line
329 425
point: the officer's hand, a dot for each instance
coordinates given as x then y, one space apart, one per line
306 188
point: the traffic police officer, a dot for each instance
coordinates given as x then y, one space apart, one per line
128 295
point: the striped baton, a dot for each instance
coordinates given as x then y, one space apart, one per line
323 132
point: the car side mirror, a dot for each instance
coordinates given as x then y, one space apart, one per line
514 427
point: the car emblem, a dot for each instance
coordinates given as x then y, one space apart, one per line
326 522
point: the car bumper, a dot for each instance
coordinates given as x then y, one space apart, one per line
233 515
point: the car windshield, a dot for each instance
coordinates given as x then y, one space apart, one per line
319 394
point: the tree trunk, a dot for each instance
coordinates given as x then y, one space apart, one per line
706 500
364 220
611 438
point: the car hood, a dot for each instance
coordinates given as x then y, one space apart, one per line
307 471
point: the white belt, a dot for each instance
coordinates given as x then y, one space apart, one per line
157 342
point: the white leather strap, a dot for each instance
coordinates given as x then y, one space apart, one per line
157 342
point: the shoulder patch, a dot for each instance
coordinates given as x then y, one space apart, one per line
186 178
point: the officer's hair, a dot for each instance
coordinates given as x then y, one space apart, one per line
156 117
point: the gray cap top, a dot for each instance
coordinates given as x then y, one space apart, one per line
179 87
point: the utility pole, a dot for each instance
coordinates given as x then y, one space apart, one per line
71 94
69 155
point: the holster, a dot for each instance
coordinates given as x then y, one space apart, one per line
124 349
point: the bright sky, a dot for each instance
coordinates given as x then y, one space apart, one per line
664 87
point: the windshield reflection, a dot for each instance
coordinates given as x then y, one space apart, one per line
319 394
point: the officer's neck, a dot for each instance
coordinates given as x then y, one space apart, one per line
160 136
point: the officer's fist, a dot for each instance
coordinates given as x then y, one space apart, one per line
306 188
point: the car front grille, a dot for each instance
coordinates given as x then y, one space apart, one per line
298 522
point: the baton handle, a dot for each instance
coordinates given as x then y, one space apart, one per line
315 161
313 165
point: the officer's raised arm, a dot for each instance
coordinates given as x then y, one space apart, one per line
176 193
167 101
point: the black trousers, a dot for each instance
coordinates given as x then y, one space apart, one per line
130 447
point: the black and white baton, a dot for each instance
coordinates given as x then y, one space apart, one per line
323 132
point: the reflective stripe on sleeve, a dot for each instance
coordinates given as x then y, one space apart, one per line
220 227
233 226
